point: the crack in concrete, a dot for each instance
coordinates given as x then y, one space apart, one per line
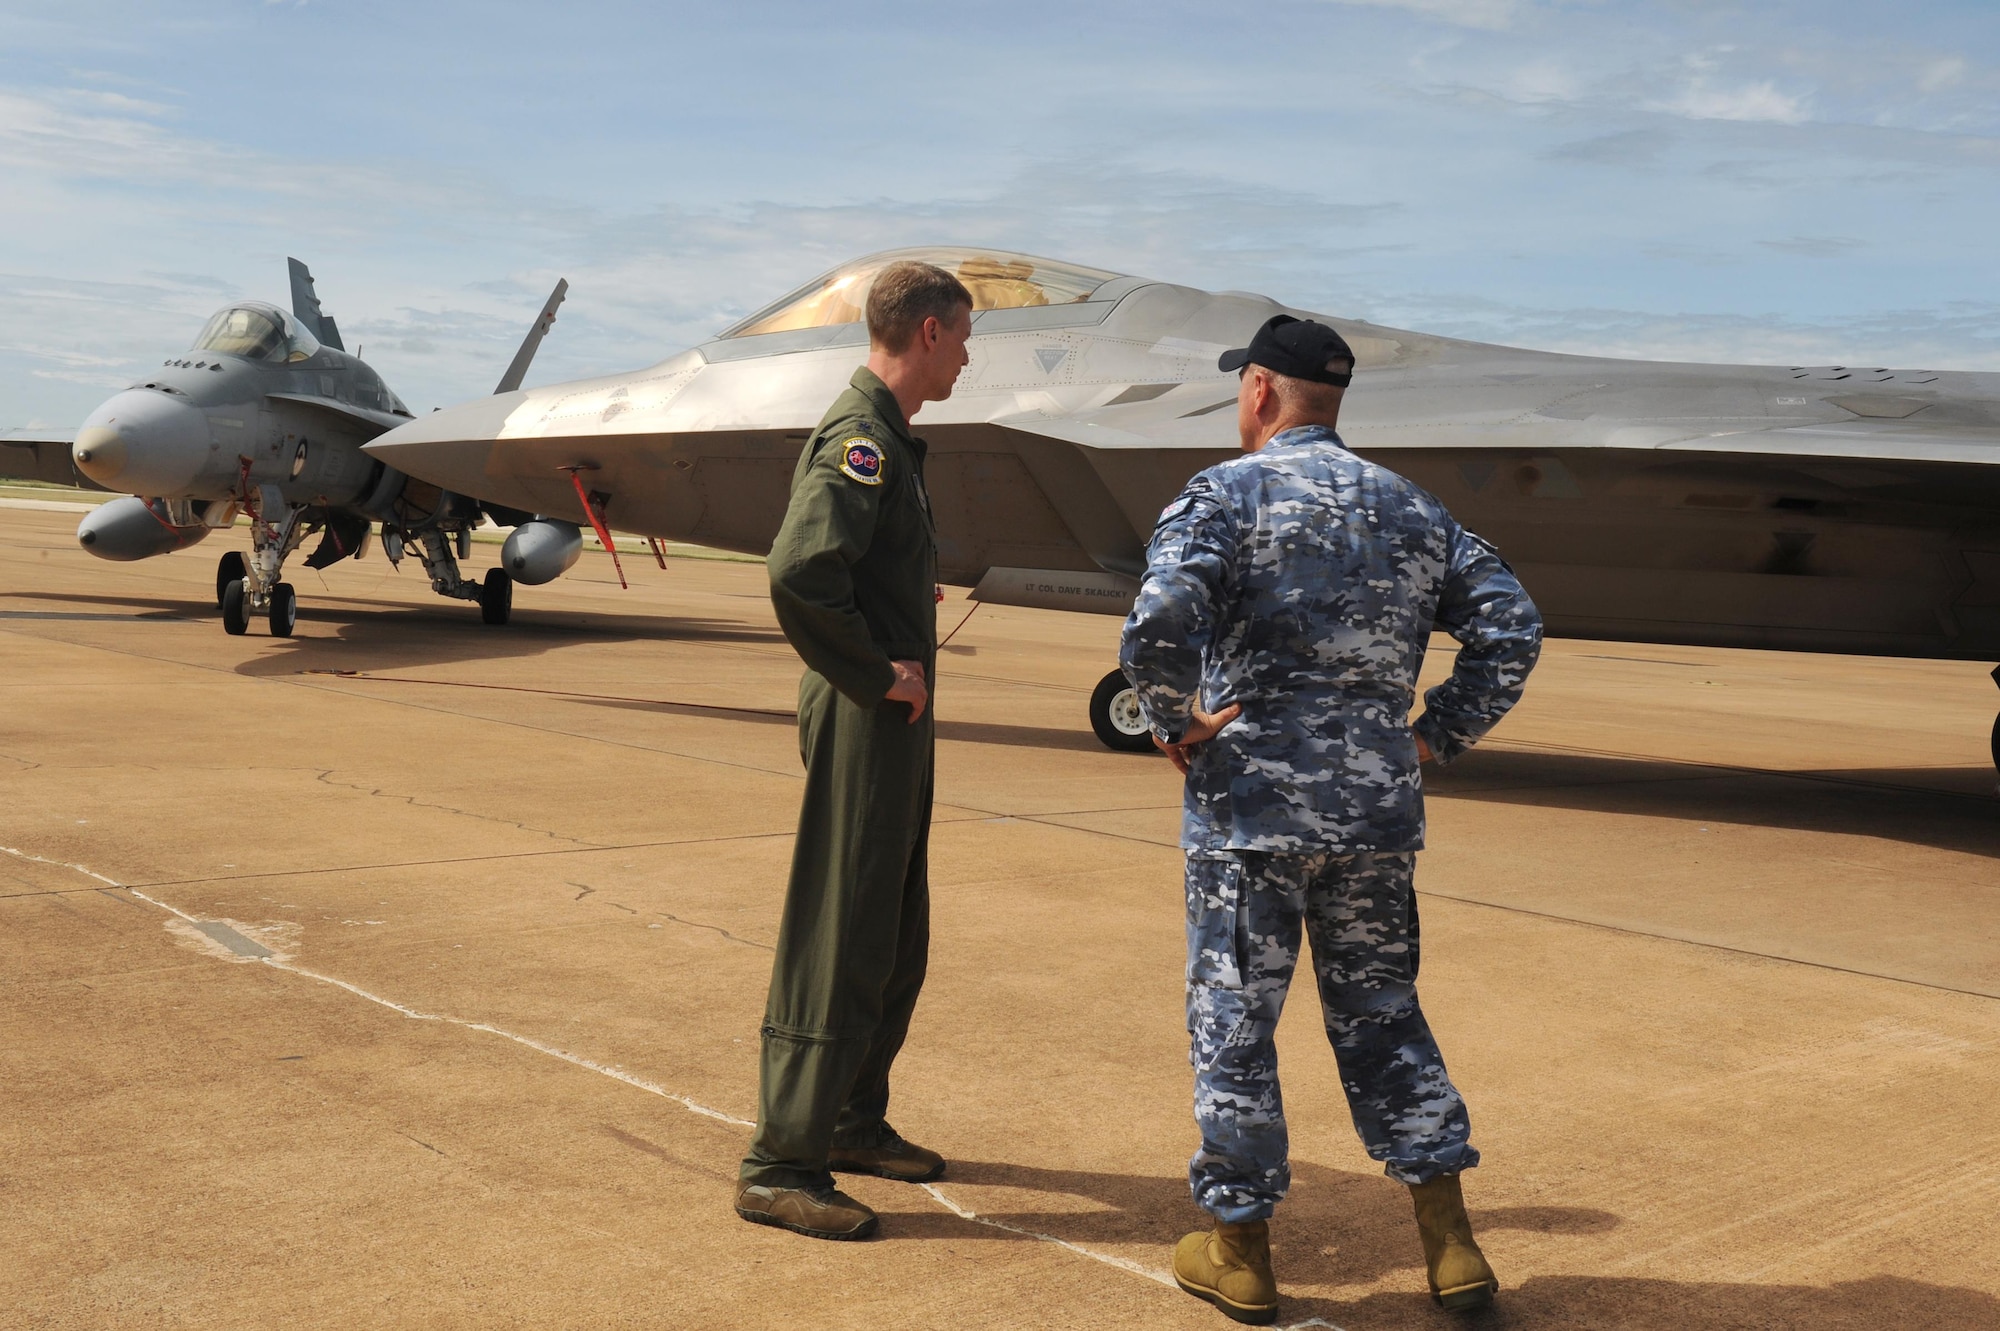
326 778
716 928
668 915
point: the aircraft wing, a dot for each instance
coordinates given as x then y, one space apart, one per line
41 455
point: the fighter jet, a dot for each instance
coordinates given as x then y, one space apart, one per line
265 415
1807 508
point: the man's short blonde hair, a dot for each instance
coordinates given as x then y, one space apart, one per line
904 295
1306 399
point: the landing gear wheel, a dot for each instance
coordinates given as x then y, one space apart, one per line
234 618
232 567
284 610
1996 743
496 596
1115 715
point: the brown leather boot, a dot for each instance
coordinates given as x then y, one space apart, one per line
818 1213
1230 1266
1460 1277
892 1157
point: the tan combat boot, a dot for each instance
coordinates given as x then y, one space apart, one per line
1460 1277
1230 1266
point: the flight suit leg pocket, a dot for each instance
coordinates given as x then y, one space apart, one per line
1216 939
1217 1004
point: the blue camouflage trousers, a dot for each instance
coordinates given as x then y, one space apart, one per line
1245 910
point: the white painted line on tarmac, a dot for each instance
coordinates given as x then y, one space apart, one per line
1109 1259
619 1074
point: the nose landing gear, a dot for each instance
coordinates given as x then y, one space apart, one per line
250 586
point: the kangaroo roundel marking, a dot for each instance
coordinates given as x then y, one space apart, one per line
861 460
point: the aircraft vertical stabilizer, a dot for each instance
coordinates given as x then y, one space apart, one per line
523 358
305 307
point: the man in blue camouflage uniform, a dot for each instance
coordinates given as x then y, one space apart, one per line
1275 645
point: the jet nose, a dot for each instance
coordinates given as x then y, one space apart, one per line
143 442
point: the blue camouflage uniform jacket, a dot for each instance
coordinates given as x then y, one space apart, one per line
1303 582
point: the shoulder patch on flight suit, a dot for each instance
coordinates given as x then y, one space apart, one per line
861 459
1174 510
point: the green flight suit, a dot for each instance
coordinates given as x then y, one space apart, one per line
853 581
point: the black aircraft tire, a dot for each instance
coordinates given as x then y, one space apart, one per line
284 610
1996 743
1114 712
232 567
234 618
496 596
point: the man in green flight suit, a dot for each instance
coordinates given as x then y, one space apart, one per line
854 580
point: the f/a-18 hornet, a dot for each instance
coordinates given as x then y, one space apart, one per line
1809 508
265 415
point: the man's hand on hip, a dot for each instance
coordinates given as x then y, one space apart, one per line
1201 729
909 687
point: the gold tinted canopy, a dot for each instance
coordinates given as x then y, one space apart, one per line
997 280
259 332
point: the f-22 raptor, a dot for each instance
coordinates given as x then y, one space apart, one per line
1807 508
265 416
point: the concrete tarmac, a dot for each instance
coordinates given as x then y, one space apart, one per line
407 973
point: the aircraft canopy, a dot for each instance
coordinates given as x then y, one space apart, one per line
997 280
257 331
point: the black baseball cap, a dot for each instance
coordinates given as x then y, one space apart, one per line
1298 349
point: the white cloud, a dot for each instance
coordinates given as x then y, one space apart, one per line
48 136
1493 15
1700 99
1815 247
1942 74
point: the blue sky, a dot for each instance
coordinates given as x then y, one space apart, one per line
1779 182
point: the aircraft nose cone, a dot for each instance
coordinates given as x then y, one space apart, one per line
143 442
99 453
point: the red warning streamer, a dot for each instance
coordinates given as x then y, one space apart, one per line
593 508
